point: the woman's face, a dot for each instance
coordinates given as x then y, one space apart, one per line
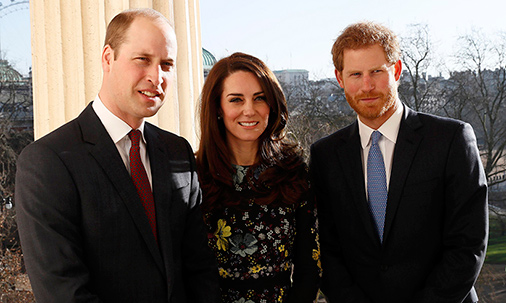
244 109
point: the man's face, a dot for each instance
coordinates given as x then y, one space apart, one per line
138 73
370 84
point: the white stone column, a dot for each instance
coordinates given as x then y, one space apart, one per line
67 40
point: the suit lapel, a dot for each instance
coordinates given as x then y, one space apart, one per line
106 154
162 188
406 147
349 151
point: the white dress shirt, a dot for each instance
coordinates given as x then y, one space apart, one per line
389 131
118 131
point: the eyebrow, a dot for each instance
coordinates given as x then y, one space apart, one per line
237 94
234 94
370 69
149 55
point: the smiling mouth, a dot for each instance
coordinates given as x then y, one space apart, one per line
248 123
149 94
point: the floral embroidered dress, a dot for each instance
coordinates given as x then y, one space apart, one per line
258 245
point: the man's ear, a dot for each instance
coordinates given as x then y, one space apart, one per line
398 70
107 58
339 78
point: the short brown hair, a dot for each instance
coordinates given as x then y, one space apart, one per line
365 34
117 28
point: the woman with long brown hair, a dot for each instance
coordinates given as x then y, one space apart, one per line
260 218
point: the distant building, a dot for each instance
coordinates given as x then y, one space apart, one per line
16 98
298 77
208 61
8 73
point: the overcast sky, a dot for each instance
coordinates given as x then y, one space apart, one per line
286 34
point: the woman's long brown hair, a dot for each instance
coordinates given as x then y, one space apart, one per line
285 178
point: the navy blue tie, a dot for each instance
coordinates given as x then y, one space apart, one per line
377 183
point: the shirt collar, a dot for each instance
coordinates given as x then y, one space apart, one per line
115 127
389 129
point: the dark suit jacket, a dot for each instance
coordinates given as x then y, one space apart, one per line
84 232
436 222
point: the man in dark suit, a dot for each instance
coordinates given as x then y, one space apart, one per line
108 205
402 196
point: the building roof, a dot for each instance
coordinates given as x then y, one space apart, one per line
291 71
208 59
8 73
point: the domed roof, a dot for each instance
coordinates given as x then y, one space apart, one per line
7 73
208 59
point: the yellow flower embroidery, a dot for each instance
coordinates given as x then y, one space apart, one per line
280 298
221 233
316 257
224 273
286 266
316 253
281 248
256 269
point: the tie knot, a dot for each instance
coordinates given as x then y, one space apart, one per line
376 135
135 136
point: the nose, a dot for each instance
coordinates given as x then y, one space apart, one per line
248 109
155 75
367 83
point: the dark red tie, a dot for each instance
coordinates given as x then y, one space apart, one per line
141 180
